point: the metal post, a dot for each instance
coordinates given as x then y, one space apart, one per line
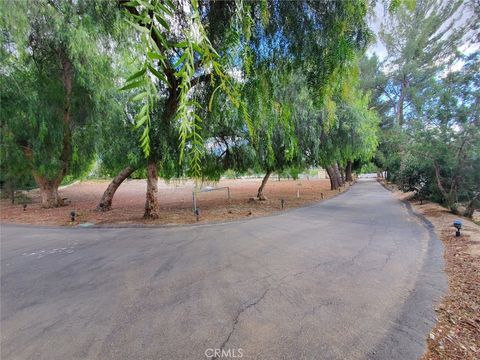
194 203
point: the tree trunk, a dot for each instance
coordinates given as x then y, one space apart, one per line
152 208
107 198
401 101
337 174
49 191
450 196
332 177
342 174
260 195
471 206
348 171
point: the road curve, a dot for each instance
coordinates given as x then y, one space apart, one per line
354 277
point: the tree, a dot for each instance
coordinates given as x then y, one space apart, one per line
120 154
293 55
179 60
56 67
272 100
429 111
14 172
445 143
421 40
348 131
358 129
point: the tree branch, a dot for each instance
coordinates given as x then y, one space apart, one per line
439 181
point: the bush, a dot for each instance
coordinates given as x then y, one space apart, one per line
230 174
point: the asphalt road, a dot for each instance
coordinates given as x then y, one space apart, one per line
354 277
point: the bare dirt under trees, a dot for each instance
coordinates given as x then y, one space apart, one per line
175 200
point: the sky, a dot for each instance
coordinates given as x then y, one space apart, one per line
374 22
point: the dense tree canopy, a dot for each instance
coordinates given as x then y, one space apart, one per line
427 93
56 78
187 88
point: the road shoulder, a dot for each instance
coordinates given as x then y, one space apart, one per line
456 334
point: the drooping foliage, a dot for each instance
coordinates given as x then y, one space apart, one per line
256 42
54 85
211 86
178 56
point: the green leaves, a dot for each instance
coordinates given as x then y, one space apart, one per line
154 56
189 58
147 97
143 79
133 85
195 53
136 75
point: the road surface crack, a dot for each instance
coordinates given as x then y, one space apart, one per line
237 319
364 248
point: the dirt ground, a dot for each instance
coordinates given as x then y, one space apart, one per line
457 332
175 201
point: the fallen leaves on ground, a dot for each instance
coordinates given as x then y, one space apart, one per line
456 334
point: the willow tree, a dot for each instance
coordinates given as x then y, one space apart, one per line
178 59
273 98
118 155
342 130
318 38
301 48
55 70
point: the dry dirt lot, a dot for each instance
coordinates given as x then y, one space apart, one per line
175 201
457 332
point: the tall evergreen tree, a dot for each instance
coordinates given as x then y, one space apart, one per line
421 41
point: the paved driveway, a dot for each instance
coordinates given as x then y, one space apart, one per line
355 277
